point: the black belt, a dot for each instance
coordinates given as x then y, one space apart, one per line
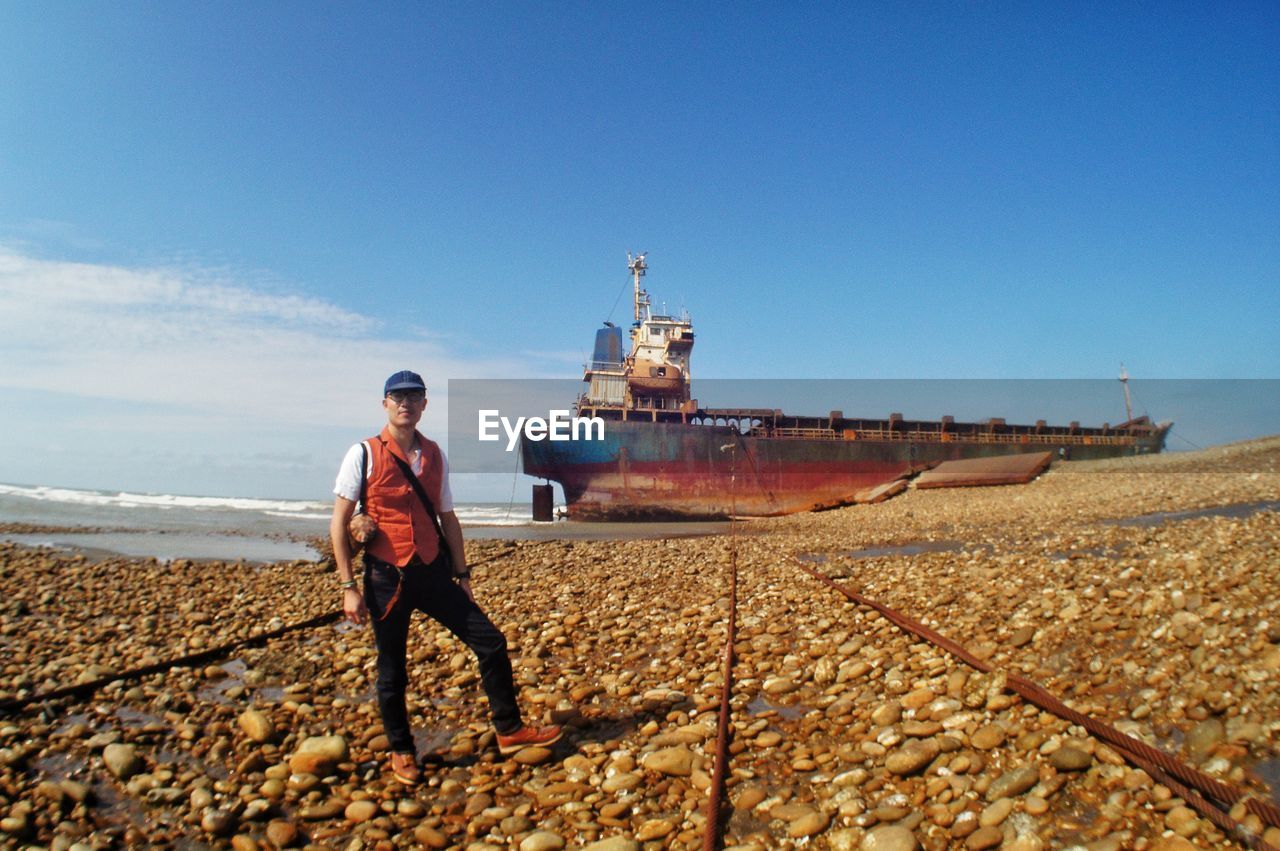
416 561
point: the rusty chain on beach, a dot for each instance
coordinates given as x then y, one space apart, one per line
711 834
82 691
1209 796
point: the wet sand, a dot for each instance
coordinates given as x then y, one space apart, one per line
848 733
167 545
574 530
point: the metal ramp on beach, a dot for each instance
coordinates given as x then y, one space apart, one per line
974 472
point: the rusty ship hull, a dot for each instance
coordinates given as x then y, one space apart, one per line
686 470
662 456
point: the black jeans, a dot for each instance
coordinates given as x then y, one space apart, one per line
430 588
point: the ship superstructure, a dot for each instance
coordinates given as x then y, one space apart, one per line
653 376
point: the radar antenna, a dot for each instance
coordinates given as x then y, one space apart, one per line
1124 382
638 267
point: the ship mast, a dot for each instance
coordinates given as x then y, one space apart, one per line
1124 382
637 266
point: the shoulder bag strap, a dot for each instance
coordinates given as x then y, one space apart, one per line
362 506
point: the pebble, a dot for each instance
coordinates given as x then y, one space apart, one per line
1182 821
532 755
965 823
1204 737
122 760
15 825
889 838
847 839
430 837
200 798
984 837
301 783
749 797
542 840
912 757
1067 758
809 824
791 811
361 811
477 804
615 810
1022 636
623 781
319 755
51 792
987 737
996 812
1171 843
613 843
410 808
217 822
331 808
654 829
675 762
257 725
283 834
256 809
511 825
1013 783
779 685
887 714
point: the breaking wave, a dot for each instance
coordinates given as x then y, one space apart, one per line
493 515
98 507
123 499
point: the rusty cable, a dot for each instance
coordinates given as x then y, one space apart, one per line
1221 796
712 831
81 691
1145 755
1223 820
711 835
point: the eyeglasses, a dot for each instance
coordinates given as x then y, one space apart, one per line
402 396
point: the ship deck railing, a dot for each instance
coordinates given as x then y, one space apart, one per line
904 436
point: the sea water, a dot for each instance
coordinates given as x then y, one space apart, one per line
169 526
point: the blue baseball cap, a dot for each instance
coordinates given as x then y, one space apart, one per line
404 380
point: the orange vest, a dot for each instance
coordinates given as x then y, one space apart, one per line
404 528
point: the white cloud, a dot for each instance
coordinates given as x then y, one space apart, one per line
196 342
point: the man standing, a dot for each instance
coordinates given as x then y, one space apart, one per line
415 560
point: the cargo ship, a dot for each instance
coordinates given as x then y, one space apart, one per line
664 457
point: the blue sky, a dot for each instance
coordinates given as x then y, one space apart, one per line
222 224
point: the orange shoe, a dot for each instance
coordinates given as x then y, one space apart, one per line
404 767
527 736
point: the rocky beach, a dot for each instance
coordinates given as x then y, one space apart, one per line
1142 591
